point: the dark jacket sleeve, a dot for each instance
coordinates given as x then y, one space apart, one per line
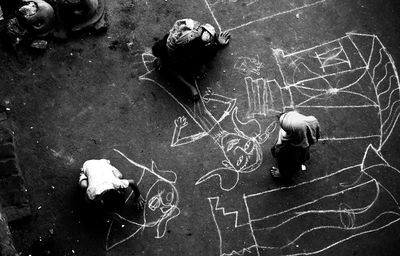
159 48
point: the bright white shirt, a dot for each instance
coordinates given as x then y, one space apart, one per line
101 176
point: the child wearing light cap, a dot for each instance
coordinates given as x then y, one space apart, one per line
298 132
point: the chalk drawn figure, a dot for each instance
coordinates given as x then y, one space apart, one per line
247 65
234 14
240 147
358 71
162 205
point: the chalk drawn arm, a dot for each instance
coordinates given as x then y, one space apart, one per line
180 123
211 96
265 135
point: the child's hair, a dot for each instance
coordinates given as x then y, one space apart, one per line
113 200
278 116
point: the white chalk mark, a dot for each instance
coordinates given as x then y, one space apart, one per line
302 74
363 219
162 203
265 17
332 58
247 65
213 15
355 68
242 152
350 138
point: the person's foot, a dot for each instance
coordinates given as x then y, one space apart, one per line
195 97
201 73
275 172
223 38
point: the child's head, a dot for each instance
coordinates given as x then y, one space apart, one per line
206 36
208 32
113 200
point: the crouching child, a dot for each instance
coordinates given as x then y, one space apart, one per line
105 187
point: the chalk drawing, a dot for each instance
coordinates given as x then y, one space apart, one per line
335 213
241 148
333 57
234 14
247 65
162 201
330 206
354 72
356 66
264 97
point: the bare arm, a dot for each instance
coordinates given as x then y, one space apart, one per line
140 202
135 188
116 172
83 184
83 180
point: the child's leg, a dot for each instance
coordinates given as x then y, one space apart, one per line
190 88
288 161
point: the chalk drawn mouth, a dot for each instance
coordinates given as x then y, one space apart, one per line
246 168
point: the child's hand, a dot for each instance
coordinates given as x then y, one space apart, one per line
201 74
158 64
223 38
140 203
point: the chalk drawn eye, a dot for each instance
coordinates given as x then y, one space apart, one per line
169 197
247 146
240 160
232 143
154 203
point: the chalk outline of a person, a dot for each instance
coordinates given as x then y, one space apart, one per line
229 142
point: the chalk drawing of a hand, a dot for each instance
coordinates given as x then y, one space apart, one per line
181 122
207 95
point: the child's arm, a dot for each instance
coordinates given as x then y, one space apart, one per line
116 172
135 188
138 198
83 180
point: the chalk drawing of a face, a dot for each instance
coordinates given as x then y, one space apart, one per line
243 153
162 200
162 205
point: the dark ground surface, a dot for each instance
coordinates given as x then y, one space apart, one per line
81 99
